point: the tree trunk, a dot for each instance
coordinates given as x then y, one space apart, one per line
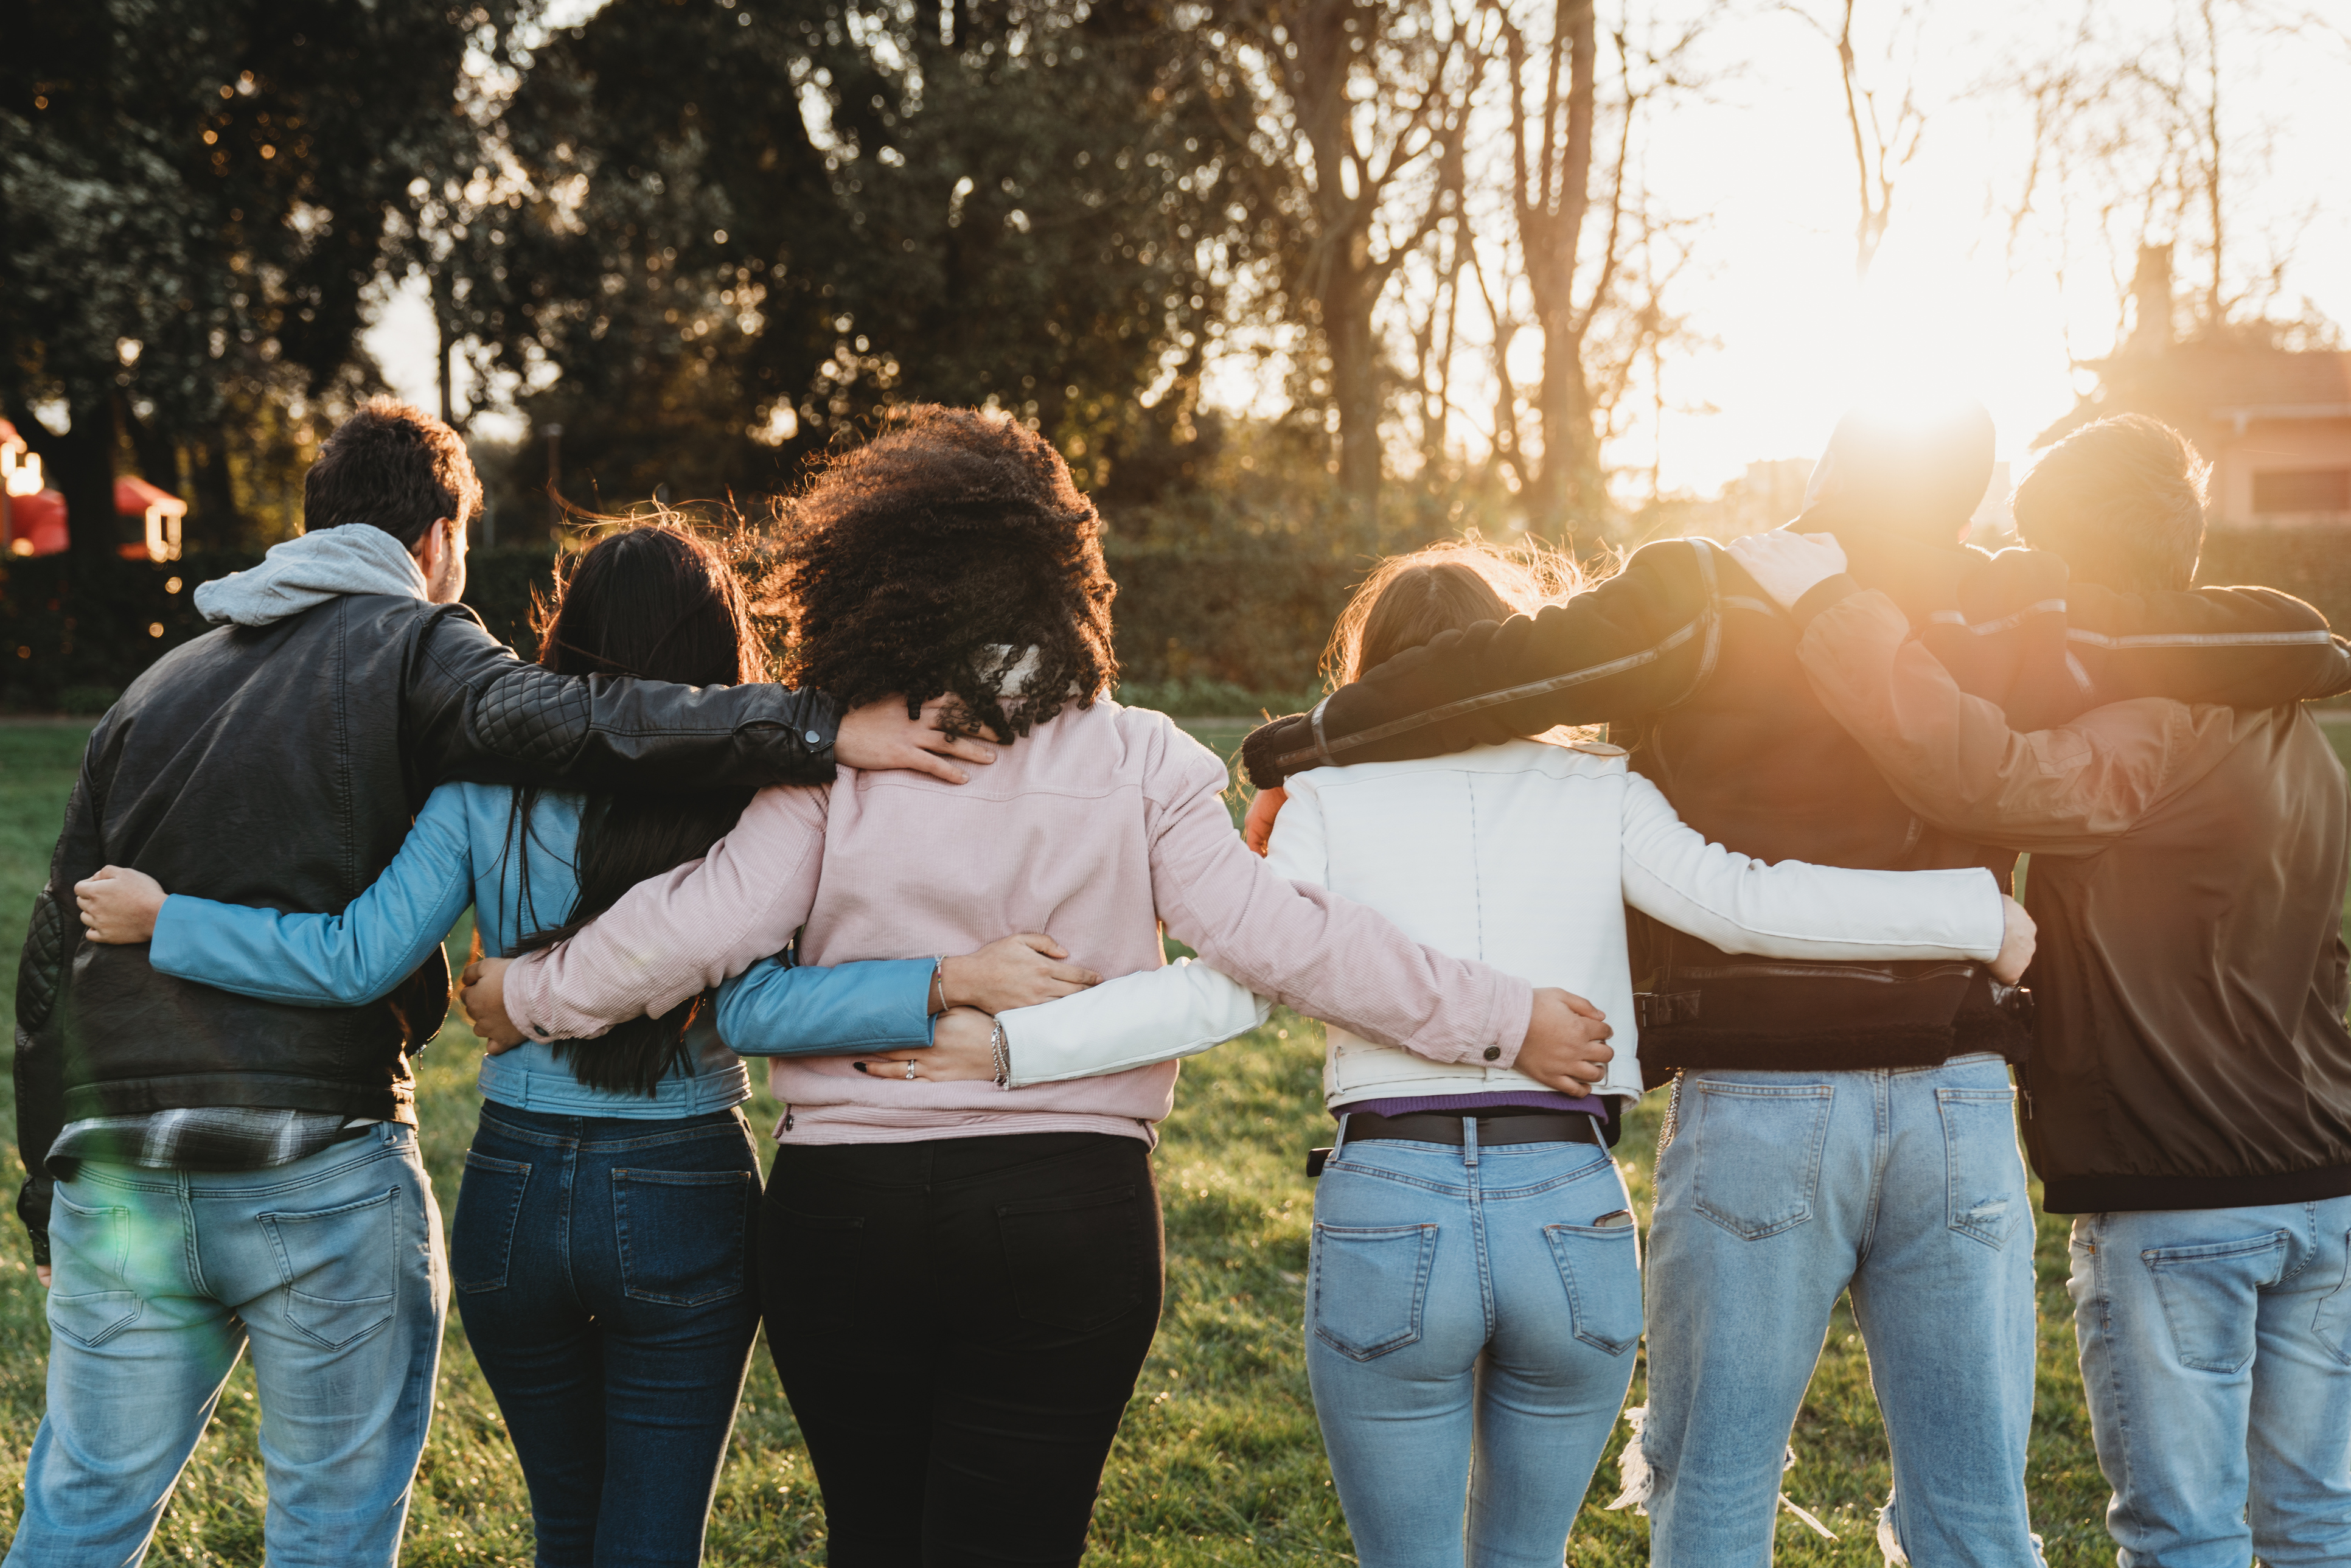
83 473
1354 347
1566 492
1554 199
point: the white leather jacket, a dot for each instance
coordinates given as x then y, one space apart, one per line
1523 855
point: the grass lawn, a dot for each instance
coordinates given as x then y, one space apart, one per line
1219 1461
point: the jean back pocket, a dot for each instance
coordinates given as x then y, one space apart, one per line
681 1234
91 1248
341 1267
1077 1261
1983 1173
489 1206
2211 1296
1758 1147
1371 1285
1601 1267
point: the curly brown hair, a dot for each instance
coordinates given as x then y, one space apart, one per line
951 555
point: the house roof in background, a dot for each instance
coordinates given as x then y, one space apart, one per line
2201 383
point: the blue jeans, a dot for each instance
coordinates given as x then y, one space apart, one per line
1780 1190
1460 1300
2216 1350
330 1268
602 1268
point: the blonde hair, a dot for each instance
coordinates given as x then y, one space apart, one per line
1409 599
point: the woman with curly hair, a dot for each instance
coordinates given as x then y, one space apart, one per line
1004 1250
604 1240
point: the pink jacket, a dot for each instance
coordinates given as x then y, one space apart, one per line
1095 827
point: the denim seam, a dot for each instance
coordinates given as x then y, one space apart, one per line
195 1188
190 1253
1477 1246
2309 1250
566 1183
1507 1195
602 1146
1881 1155
2104 1300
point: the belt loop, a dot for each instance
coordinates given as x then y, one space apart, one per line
1599 1134
1340 1143
1470 1140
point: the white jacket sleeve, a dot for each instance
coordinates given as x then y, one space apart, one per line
1157 1015
1794 909
1152 1015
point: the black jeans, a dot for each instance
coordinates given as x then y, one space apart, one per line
958 1325
602 1268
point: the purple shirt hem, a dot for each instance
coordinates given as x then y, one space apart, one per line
1531 1099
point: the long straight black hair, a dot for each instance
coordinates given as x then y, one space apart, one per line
658 601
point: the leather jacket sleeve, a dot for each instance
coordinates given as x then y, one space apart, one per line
1638 642
2077 645
50 943
475 712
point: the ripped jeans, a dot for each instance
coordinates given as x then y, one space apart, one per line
1780 1191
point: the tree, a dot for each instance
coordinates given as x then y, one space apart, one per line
1576 213
2149 133
197 198
745 228
1885 131
1357 115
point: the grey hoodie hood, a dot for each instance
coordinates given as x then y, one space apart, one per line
305 572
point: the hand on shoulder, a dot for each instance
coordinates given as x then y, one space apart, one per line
1788 565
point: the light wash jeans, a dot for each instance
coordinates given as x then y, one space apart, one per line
330 1267
1782 1189
2215 1349
1461 1299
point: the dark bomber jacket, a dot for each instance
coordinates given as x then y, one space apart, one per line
1697 672
2188 874
280 766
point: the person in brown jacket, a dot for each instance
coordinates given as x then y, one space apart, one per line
2188 1097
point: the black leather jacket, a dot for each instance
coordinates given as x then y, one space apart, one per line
280 766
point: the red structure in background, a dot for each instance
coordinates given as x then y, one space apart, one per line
33 519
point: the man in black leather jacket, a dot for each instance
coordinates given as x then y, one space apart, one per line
278 761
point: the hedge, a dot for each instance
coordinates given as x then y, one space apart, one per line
1199 632
1229 628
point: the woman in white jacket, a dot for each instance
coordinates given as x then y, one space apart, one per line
1474 1284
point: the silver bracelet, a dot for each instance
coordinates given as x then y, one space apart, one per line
1002 1050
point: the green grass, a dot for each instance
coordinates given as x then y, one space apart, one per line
1219 1461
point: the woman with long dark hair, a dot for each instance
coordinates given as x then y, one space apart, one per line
605 1230
961 1284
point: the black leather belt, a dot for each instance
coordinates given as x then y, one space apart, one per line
1444 1127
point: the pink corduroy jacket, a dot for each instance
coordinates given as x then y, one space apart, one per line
1095 827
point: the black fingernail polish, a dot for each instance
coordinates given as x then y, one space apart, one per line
859 1065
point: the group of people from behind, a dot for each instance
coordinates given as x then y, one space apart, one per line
931 885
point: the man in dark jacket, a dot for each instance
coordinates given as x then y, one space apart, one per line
2189 1096
205 1170
1834 1127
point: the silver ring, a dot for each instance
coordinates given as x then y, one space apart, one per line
910 1072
